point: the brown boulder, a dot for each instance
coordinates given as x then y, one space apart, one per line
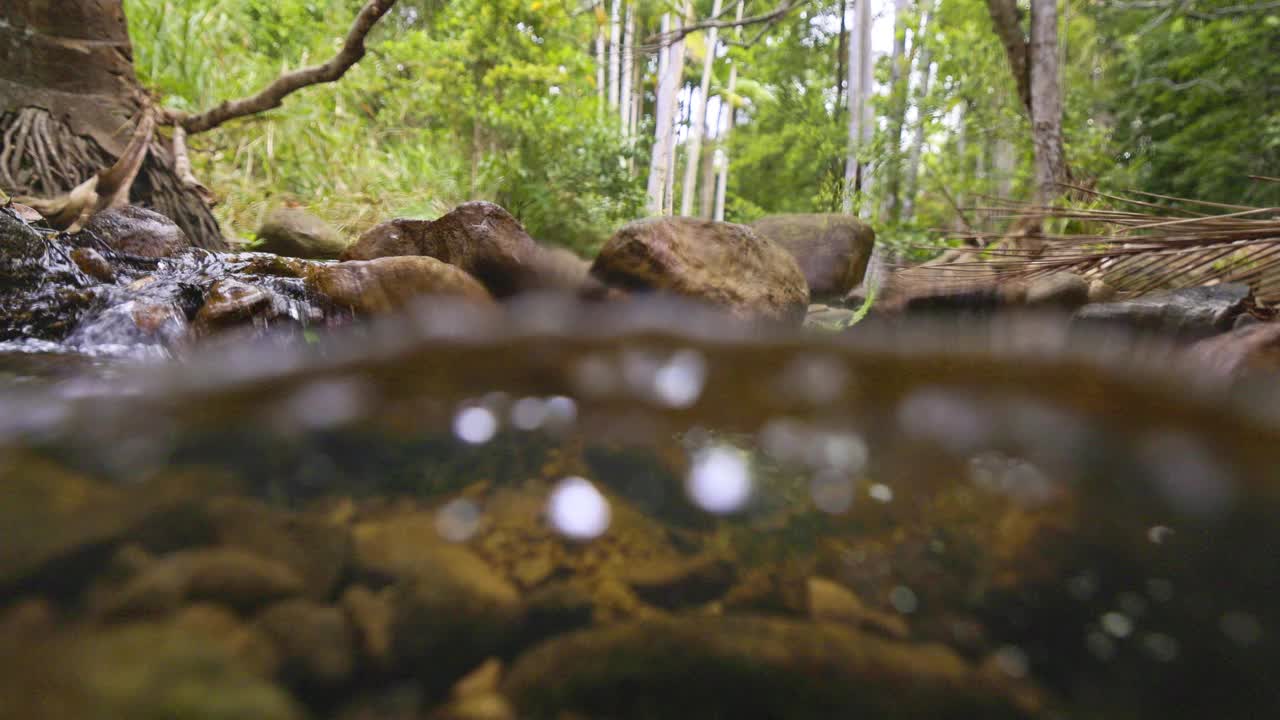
390 283
482 239
230 303
1251 348
316 644
721 263
135 231
832 250
294 232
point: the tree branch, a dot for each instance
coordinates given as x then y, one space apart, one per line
678 34
274 94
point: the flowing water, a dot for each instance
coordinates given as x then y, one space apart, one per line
639 511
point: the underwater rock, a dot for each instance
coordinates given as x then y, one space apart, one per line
60 529
316 644
832 250
829 601
1192 312
145 670
390 283
228 576
554 609
476 697
244 642
680 582
135 230
318 550
449 608
370 614
1252 348
294 232
719 263
752 667
482 239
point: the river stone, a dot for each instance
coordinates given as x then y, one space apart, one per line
135 230
1060 289
390 283
1253 347
832 250
370 614
315 643
829 601
722 264
244 642
1192 312
147 670
449 609
230 302
294 232
228 576
484 240
318 550
751 667
680 582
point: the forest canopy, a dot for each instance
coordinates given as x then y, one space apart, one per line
508 100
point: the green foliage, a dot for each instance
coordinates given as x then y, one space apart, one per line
469 99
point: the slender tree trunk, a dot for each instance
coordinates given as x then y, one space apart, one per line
1046 101
601 63
1006 20
661 169
69 102
614 52
707 183
628 59
899 82
842 54
857 174
698 119
924 58
731 119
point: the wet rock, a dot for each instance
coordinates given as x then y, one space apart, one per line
476 697
1252 348
92 263
751 667
482 239
135 671
231 302
43 293
719 263
62 528
228 576
449 609
1192 313
370 614
552 610
315 548
822 317
316 644
831 602
243 642
832 250
390 283
294 232
135 231
1060 290
680 582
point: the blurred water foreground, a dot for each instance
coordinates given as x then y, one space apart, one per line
639 511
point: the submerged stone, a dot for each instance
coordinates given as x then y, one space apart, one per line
1192 312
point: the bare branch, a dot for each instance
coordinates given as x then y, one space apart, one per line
182 167
678 34
274 94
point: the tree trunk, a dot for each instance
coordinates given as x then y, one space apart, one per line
1007 23
1046 101
731 119
624 78
670 64
698 118
707 183
924 59
69 100
842 54
614 50
857 176
899 82
601 82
